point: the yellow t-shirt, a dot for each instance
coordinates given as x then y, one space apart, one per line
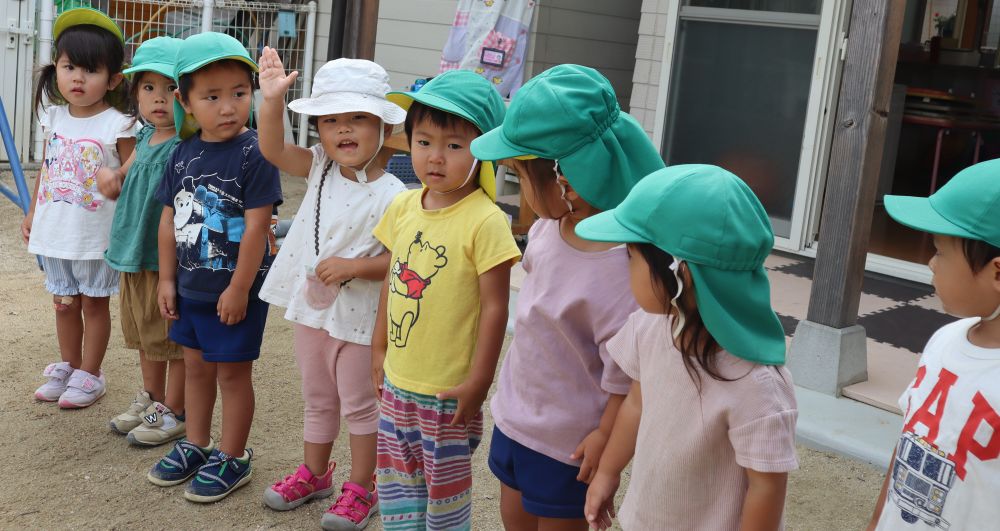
433 301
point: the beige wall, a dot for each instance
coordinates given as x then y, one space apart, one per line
597 33
648 63
324 9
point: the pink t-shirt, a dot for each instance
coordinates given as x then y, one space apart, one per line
557 376
692 448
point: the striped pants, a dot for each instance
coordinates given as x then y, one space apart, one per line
424 469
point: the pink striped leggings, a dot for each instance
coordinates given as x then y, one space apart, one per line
336 380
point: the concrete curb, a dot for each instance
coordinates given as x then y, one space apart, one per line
846 427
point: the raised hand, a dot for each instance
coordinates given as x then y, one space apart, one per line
274 83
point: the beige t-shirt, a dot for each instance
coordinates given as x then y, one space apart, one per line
692 449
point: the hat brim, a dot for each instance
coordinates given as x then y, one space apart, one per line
735 306
201 64
492 145
406 99
919 213
343 102
605 227
85 16
164 69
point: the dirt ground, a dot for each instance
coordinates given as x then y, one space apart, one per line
66 469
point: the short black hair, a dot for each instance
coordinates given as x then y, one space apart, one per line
978 253
90 47
419 112
186 81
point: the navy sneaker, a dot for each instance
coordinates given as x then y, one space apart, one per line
219 477
183 461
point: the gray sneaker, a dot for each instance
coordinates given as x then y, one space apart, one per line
132 416
159 425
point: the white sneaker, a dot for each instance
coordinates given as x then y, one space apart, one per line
132 417
159 425
58 374
82 390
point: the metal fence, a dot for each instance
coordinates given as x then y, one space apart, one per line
289 28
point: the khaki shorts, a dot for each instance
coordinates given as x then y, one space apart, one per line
142 325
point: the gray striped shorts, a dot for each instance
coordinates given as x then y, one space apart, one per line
93 278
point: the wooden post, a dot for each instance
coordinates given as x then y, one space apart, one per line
830 353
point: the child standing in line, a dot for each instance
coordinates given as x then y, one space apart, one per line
559 390
215 248
444 307
944 472
711 413
156 414
329 271
68 222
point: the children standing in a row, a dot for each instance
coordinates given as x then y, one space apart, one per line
216 245
329 271
157 412
444 307
69 220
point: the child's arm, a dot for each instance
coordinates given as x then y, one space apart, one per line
600 506
109 182
335 270
232 305
881 495
494 295
30 216
126 146
274 84
592 446
166 292
764 502
380 340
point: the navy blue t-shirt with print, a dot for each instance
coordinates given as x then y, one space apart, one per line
210 185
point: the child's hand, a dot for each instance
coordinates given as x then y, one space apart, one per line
166 299
109 183
232 306
600 504
274 84
26 226
470 395
378 372
589 451
335 270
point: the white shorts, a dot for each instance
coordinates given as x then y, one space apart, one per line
93 278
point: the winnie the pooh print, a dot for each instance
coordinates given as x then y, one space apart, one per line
409 279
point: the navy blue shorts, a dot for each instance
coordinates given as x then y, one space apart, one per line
549 488
198 327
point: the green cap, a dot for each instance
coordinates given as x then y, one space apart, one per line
197 52
968 206
465 94
158 54
569 113
709 218
81 16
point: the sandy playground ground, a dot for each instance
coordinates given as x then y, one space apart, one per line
66 469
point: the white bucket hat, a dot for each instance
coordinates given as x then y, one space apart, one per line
350 85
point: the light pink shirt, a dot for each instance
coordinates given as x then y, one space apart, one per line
558 375
692 448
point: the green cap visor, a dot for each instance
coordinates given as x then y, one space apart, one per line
469 96
85 16
197 52
919 213
158 55
724 252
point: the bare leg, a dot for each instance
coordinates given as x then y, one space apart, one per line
154 377
317 457
175 386
96 332
512 512
199 396
562 524
69 331
363 459
236 382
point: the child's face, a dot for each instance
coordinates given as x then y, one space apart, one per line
83 88
645 291
155 95
219 99
441 156
350 138
963 293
